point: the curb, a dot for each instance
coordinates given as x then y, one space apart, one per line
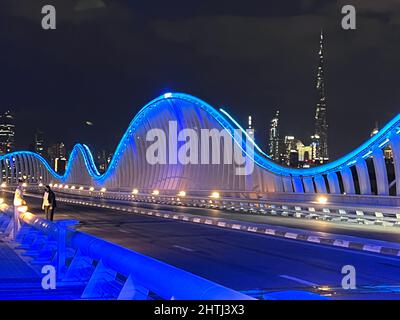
246 228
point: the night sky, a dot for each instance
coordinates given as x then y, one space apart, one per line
108 58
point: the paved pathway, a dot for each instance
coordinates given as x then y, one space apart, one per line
19 281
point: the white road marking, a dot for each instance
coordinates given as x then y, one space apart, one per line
313 239
341 243
183 248
372 248
298 280
291 235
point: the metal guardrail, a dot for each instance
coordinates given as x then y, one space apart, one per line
309 211
109 270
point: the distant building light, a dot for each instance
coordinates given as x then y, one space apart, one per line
155 193
135 191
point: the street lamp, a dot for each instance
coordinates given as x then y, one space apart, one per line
215 195
182 194
322 199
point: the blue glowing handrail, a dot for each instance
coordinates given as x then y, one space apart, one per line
227 122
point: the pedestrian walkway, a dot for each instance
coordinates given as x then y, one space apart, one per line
20 281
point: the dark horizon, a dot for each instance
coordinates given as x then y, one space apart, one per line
103 63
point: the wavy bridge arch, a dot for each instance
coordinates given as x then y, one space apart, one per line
129 169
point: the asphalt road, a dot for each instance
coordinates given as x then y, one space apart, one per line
376 232
239 260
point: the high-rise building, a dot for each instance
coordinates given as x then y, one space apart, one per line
296 154
290 152
39 143
250 128
7 133
274 141
321 124
375 130
58 156
103 160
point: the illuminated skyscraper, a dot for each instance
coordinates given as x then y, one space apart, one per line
274 141
7 133
321 124
58 157
250 128
39 142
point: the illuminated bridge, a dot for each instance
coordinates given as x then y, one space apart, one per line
152 231
130 170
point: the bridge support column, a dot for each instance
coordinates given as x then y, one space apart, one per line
348 182
31 171
298 185
6 166
12 170
363 177
18 168
24 167
333 181
287 184
308 185
320 184
278 184
395 145
380 172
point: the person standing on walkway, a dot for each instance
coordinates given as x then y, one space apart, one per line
18 202
19 196
49 203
